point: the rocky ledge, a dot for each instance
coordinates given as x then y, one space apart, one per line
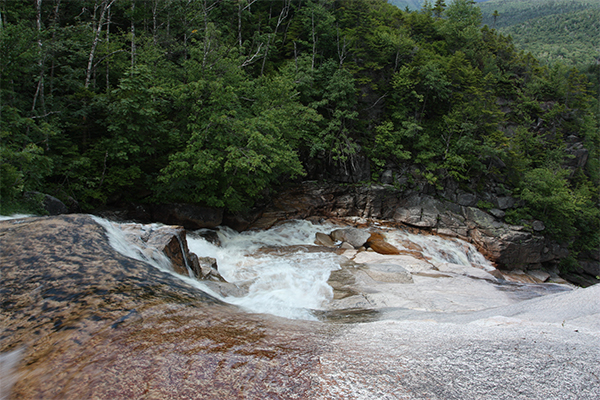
509 247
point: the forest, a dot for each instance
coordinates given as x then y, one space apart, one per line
217 102
552 30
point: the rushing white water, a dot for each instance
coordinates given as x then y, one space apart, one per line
281 276
287 285
440 250
8 365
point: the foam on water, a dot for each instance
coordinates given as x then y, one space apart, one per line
441 250
291 282
288 286
8 376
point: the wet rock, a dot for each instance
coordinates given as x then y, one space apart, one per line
388 273
322 239
378 244
353 236
168 240
539 275
464 270
205 267
508 246
90 322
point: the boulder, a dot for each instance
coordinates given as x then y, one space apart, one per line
322 239
51 204
169 240
353 236
387 177
506 202
591 267
497 213
206 268
378 244
538 226
539 275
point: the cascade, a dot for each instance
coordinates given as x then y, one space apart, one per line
282 274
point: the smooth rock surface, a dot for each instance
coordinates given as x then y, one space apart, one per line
80 320
353 236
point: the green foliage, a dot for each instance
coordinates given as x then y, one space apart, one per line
561 30
563 209
239 141
215 102
23 165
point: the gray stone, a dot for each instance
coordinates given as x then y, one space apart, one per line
466 199
591 267
506 202
354 236
49 203
322 239
389 273
539 275
387 177
538 226
497 213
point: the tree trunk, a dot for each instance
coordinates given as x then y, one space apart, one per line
282 16
39 92
132 35
105 6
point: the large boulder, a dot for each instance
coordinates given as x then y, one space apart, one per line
50 204
509 246
168 240
353 236
378 243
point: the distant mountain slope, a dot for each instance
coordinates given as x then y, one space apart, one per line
552 30
417 4
513 12
573 38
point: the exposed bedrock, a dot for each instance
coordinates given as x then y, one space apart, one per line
510 247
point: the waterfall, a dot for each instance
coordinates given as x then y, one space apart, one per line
288 285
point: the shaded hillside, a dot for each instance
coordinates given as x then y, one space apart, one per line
416 5
514 12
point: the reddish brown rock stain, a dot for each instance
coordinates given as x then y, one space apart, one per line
96 325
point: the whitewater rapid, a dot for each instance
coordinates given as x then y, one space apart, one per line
281 275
